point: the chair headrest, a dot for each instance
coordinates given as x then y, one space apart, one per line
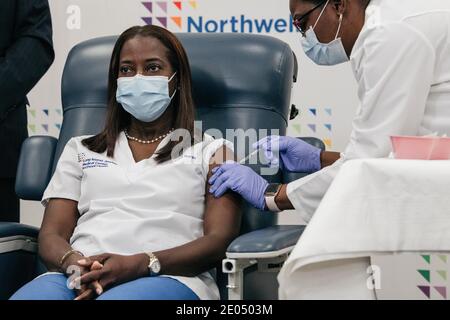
228 70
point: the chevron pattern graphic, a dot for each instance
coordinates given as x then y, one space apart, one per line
167 13
44 121
434 274
314 127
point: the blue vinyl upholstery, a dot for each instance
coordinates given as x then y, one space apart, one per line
268 239
35 167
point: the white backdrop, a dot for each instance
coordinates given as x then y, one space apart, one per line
325 96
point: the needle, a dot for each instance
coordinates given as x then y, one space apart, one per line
244 160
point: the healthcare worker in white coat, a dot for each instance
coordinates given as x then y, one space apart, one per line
399 51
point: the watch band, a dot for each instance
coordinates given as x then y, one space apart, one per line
272 205
270 195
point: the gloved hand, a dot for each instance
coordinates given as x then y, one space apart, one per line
296 155
240 179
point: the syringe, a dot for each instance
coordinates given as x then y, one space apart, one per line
244 160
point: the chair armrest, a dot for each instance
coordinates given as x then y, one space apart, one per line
35 167
314 142
289 176
16 237
11 229
265 243
18 256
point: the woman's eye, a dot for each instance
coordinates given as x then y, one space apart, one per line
125 69
153 68
303 26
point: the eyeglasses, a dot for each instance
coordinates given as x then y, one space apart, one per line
298 22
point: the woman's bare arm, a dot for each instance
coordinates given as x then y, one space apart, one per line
328 158
60 219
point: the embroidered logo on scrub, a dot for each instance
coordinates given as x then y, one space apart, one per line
87 163
81 157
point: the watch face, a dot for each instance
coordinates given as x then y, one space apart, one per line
272 189
156 267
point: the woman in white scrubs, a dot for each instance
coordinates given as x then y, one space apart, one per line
399 51
129 215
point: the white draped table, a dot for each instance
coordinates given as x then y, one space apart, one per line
373 207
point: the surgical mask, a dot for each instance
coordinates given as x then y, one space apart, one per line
324 54
144 97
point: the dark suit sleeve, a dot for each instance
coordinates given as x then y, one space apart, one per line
30 54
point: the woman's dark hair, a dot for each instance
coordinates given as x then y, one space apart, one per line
117 119
317 2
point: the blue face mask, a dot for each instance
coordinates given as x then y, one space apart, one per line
324 54
144 97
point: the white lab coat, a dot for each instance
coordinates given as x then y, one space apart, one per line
401 61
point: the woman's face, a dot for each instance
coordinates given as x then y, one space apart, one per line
353 13
328 25
146 56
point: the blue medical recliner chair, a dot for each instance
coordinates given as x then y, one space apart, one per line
240 81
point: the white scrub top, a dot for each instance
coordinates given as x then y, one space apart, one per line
401 61
128 208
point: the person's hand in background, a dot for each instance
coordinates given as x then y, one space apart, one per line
295 154
240 179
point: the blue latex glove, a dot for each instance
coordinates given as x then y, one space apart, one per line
240 179
296 155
